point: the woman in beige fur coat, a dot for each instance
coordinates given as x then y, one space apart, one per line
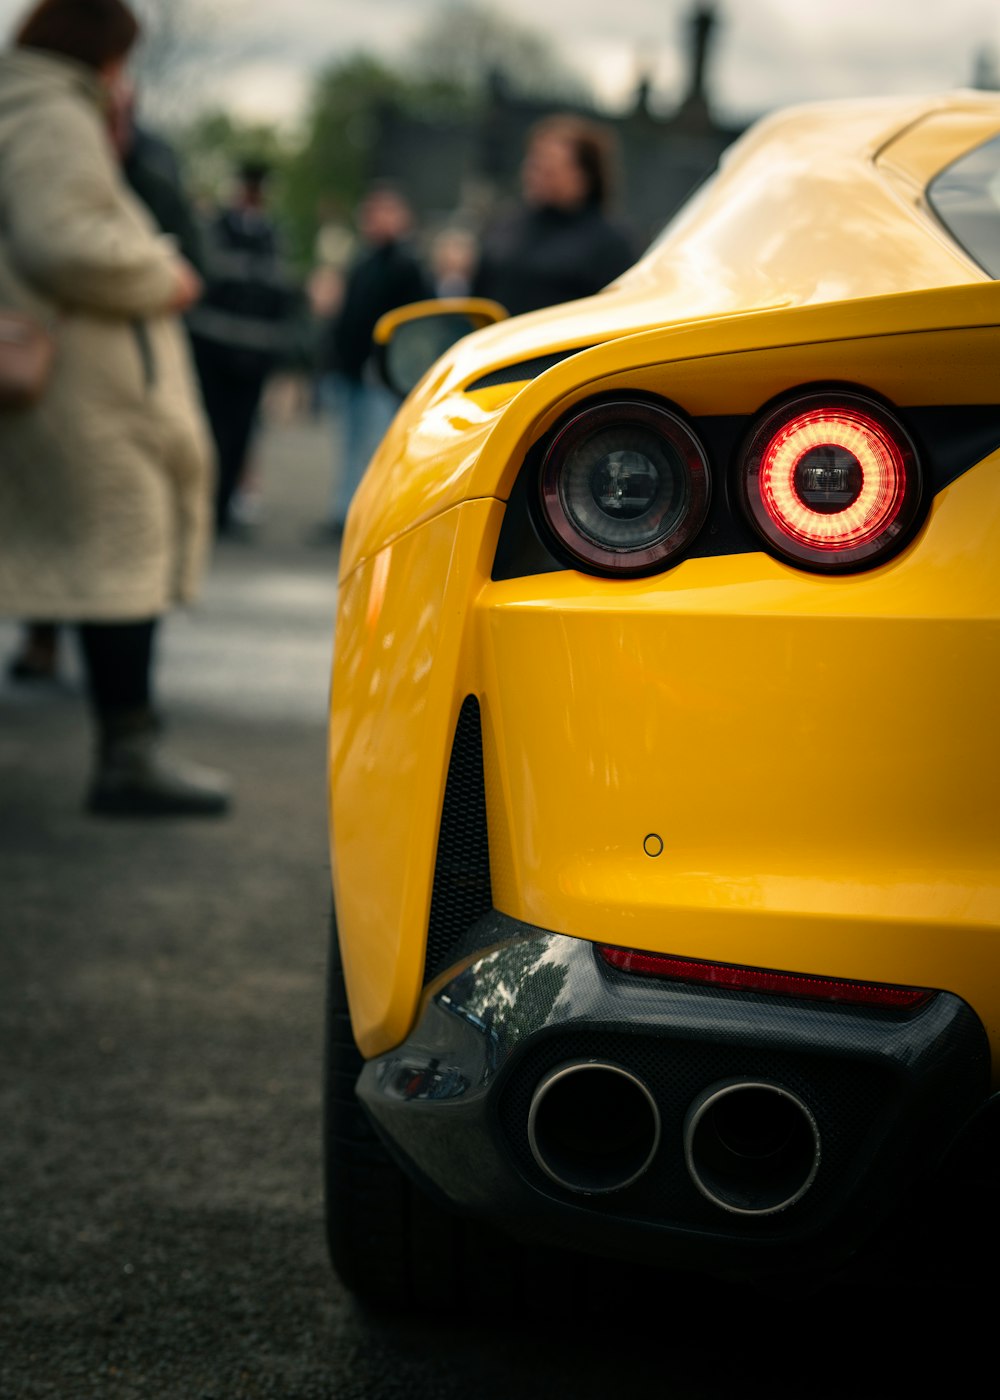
105 484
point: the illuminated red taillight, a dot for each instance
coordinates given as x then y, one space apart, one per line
832 483
755 979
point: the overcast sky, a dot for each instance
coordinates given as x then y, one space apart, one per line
767 52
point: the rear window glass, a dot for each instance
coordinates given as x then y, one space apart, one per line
966 198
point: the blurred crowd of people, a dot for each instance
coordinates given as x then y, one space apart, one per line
557 243
168 328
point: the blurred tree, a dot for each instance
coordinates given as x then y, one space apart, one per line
326 175
214 144
467 47
175 53
450 71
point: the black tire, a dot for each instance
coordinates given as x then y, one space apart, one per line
389 1243
366 1193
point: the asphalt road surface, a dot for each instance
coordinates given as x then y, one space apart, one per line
161 994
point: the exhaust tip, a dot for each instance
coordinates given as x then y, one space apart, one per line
593 1127
751 1147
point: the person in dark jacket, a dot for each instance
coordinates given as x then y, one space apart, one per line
385 274
153 172
243 327
560 244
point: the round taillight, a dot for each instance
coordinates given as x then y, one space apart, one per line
832 483
624 486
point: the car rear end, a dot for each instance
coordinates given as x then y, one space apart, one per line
688 895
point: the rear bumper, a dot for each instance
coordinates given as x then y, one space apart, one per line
890 1092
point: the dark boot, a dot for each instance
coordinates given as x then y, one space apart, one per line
135 778
37 659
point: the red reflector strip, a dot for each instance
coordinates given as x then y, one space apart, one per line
753 979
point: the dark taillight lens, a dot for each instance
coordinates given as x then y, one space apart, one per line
756 979
625 487
832 483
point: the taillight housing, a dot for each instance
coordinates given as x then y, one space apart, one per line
734 977
832 483
624 487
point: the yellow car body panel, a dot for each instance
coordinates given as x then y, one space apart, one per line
810 823
818 754
913 158
401 660
774 734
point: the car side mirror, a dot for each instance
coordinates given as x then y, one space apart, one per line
409 339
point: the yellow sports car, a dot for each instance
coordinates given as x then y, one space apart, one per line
664 742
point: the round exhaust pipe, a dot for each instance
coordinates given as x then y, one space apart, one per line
751 1147
593 1127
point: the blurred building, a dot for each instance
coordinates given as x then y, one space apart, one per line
470 165
986 71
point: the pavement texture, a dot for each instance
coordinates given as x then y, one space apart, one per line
161 988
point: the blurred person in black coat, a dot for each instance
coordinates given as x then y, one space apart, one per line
150 165
243 327
559 245
385 274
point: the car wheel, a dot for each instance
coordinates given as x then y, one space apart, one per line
389 1243
366 1205
393 1246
